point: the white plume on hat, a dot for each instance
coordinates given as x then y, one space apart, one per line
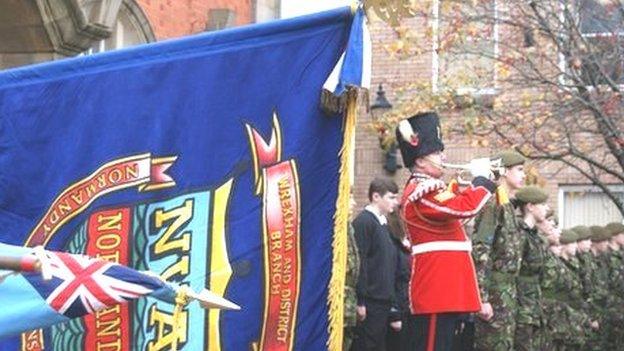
405 128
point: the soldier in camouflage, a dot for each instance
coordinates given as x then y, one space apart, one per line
497 244
587 268
585 256
565 320
599 296
582 327
530 316
551 272
616 285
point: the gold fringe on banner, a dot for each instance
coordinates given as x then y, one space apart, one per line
341 222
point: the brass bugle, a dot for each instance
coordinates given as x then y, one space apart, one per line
463 167
495 166
461 179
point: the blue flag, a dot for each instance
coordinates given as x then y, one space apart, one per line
208 160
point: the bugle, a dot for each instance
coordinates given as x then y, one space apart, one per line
495 168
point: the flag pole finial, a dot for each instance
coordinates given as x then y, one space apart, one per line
355 4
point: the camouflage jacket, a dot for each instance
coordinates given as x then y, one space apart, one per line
573 293
616 274
353 270
528 281
497 245
564 320
586 272
599 293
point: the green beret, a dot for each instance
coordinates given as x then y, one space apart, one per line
510 158
615 228
568 236
599 233
532 195
582 232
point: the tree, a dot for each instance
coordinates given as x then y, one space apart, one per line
545 76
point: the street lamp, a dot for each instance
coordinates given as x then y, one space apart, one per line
381 104
377 110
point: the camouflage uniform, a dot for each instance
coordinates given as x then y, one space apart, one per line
587 270
497 255
573 296
353 270
565 319
599 299
574 290
615 299
587 267
529 318
616 266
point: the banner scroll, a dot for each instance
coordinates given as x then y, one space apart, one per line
278 183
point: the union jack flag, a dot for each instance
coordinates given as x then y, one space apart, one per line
82 285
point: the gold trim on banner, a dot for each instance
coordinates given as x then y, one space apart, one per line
341 222
220 268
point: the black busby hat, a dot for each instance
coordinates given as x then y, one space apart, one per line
418 136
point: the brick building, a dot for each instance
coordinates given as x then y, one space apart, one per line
571 196
51 29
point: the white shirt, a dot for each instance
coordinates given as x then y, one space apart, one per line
381 218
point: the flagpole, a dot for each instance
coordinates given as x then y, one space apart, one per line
25 263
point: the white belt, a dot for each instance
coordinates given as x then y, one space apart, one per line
442 246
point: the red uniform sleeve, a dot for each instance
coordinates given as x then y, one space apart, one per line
464 204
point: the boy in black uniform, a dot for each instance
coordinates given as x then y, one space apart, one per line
378 266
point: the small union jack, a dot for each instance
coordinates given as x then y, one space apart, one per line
82 285
55 287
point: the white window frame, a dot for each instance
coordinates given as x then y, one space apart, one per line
584 188
435 58
563 65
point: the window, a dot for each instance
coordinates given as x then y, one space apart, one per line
220 18
601 26
464 46
130 29
266 10
587 205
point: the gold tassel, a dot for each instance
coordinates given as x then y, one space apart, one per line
502 195
341 222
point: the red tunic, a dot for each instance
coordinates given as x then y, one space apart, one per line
441 281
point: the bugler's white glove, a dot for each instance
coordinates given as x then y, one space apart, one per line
480 167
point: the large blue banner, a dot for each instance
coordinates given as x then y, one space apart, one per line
206 160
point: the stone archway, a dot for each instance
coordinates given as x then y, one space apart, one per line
43 30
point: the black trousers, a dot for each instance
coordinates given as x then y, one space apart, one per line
401 340
465 334
370 334
435 332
